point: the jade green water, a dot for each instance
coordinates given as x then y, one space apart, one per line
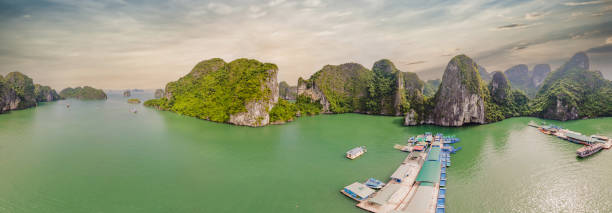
97 156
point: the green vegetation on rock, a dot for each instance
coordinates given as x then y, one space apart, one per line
573 92
431 87
382 87
18 91
307 106
83 93
345 86
287 92
214 90
23 87
45 93
283 111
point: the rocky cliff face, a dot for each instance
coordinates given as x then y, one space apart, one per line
312 91
484 75
45 93
350 87
17 91
518 75
242 92
287 92
8 97
525 80
257 111
539 73
159 93
460 99
499 87
338 88
574 92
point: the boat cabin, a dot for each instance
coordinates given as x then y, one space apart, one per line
355 152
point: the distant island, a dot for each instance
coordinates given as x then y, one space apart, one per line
83 93
245 92
133 101
18 91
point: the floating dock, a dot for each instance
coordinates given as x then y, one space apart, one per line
592 144
419 183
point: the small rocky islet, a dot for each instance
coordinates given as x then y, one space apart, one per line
18 91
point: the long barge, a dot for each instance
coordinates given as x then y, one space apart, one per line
591 144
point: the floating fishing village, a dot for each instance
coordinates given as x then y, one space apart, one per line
591 144
417 185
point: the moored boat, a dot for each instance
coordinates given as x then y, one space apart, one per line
356 152
587 150
374 184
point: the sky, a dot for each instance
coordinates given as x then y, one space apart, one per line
116 44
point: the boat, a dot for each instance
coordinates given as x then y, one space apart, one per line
357 191
455 150
586 151
374 184
442 193
134 111
67 105
356 152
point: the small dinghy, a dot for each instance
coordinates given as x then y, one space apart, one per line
134 111
374 184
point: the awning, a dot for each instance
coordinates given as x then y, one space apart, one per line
430 172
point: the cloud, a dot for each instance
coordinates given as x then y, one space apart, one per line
572 4
512 26
415 62
584 35
576 14
256 12
533 16
275 2
312 3
220 8
520 46
601 49
609 40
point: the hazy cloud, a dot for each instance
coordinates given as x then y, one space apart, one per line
220 8
520 46
571 4
512 26
533 16
144 44
415 62
601 49
275 2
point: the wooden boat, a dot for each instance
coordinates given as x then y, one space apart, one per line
586 151
356 152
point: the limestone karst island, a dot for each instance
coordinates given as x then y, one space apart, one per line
382 106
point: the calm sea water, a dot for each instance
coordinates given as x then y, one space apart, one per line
97 156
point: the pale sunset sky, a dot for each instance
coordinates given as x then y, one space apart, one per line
119 44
